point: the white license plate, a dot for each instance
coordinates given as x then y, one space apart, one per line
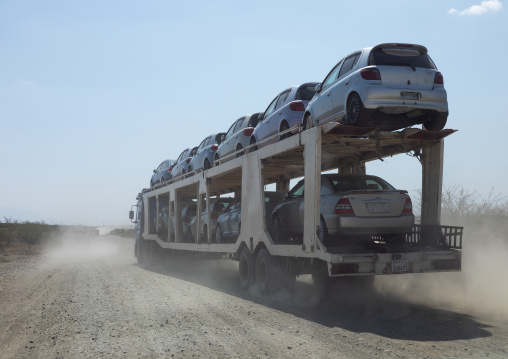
410 95
400 266
378 207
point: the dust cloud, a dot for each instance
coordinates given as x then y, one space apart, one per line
480 287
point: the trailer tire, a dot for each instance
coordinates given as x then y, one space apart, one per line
246 268
265 272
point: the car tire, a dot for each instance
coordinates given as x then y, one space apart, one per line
283 127
239 148
216 158
277 232
356 114
308 122
252 142
436 121
324 237
206 165
219 238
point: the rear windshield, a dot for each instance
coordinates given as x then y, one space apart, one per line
400 57
218 138
221 205
306 92
253 120
343 184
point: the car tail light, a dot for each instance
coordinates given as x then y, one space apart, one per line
214 147
408 206
438 78
248 131
370 74
188 159
214 215
186 219
297 106
169 170
344 207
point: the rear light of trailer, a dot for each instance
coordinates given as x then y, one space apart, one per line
214 147
297 106
248 131
438 78
344 207
370 74
408 206
214 215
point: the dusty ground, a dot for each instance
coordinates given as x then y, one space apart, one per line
91 300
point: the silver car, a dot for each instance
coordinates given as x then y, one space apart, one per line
353 207
182 163
162 173
284 112
218 206
229 223
204 157
238 136
388 86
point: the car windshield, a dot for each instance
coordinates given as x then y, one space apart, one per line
306 92
343 184
400 57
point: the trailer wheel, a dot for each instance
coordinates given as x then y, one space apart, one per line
265 272
246 268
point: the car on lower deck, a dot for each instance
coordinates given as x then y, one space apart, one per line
229 222
218 206
284 112
389 86
353 208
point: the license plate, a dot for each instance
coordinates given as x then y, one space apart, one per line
400 266
410 95
378 207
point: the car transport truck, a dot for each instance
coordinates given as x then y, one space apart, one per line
272 265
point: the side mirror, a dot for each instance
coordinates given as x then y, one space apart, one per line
286 194
318 88
155 171
222 138
261 116
131 215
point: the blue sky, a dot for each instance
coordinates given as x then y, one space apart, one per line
95 94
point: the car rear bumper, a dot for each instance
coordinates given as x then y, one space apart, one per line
377 96
352 225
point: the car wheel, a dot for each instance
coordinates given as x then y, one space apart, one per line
151 184
219 238
207 164
308 122
215 159
190 237
278 234
253 142
283 127
246 268
324 237
356 114
436 121
239 148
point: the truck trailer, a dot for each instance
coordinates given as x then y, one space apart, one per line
272 265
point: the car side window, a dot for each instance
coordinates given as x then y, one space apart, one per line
298 191
332 76
270 108
282 98
239 124
203 144
231 130
348 64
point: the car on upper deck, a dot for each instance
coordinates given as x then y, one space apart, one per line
182 163
205 153
162 173
238 136
283 113
389 86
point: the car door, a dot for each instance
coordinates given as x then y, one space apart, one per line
289 214
277 114
263 127
228 145
340 89
322 108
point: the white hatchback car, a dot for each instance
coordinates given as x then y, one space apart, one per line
388 86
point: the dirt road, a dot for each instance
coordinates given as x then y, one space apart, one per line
91 300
